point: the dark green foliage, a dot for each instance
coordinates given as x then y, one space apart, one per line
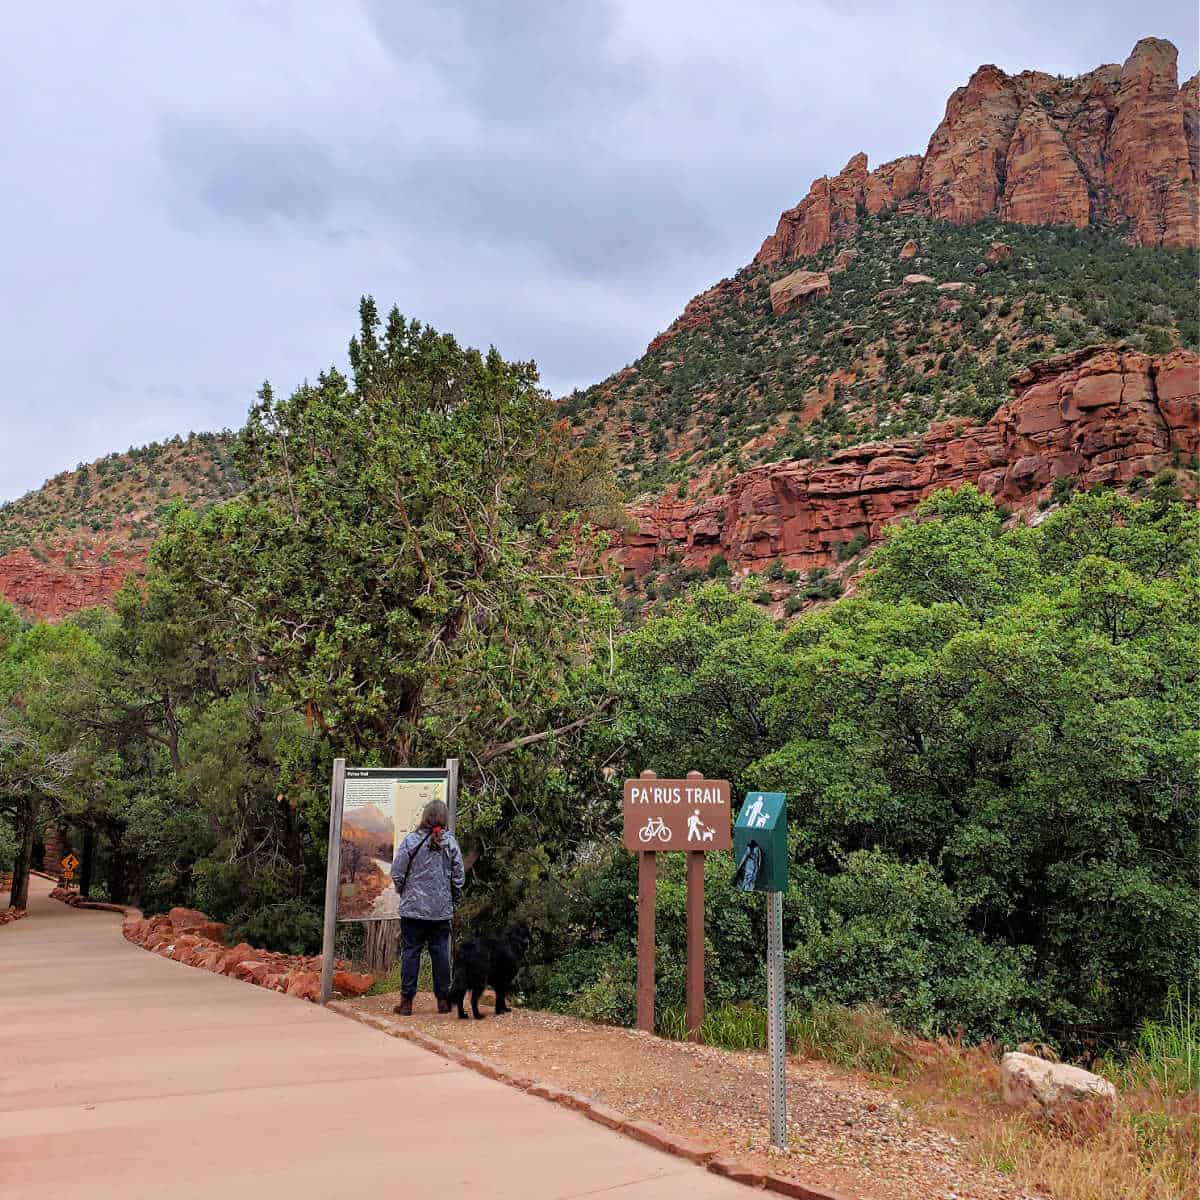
990 756
289 927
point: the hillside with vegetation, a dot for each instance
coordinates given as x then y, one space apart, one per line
116 502
733 384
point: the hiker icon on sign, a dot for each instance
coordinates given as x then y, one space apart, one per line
756 818
697 830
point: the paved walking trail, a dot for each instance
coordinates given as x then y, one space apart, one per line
124 1074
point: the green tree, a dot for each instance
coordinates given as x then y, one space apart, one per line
398 572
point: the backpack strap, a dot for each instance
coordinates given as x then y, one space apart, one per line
404 882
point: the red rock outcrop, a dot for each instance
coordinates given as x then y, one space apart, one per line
699 311
1189 97
829 213
51 589
1119 143
893 183
1151 172
794 291
965 159
1102 414
1044 186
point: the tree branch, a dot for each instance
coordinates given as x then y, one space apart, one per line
498 748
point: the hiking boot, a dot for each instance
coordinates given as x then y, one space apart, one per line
404 1008
443 1005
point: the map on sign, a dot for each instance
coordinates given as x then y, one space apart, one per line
381 806
677 814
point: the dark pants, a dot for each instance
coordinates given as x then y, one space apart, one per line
414 935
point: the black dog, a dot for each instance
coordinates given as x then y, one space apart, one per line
483 961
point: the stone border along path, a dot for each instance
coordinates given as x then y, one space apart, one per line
132 1076
649 1132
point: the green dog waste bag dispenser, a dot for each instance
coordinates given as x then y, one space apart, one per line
761 854
760 843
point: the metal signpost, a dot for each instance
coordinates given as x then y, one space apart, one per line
370 810
760 838
692 815
776 1023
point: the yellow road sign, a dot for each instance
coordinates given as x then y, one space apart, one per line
70 862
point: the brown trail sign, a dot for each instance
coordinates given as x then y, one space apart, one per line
692 815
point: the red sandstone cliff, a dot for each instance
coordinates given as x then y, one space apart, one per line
1117 144
1100 414
51 590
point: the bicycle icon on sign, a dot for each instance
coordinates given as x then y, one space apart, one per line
655 827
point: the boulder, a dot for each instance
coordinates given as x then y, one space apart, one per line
915 280
304 984
191 920
350 983
1061 1092
908 250
798 289
998 252
842 260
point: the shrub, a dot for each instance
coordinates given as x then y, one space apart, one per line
289 927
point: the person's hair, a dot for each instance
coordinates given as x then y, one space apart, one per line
435 815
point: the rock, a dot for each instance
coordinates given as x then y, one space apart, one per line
1116 144
251 971
955 287
1189 100
915 280
1101 414
794 291
1151 174
51 590
963 162
946 305
909 249
894 181
998 252
1043 185
191 920
828 213
304 984
843 259
1061 1092
350 983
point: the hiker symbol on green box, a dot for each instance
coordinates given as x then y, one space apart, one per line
760 843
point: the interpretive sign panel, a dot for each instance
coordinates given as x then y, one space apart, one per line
677 814
379 808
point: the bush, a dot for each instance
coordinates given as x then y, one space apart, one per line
289 927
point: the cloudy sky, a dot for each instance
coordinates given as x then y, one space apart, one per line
194 195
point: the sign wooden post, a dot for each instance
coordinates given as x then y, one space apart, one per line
695 938
692 815
647 889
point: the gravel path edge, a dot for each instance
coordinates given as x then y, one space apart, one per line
649 1132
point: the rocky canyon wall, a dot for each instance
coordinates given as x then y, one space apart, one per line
49 589
1101 415
1118 144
